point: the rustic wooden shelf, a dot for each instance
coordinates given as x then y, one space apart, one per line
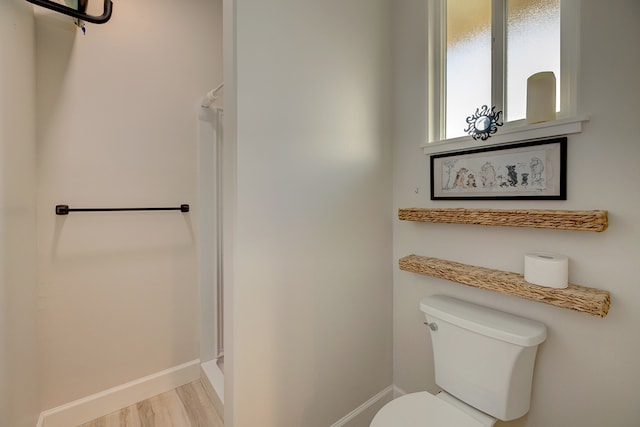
595 220
578 298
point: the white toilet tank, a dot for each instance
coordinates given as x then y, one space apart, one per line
482 356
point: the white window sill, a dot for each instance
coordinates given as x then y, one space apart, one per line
510 132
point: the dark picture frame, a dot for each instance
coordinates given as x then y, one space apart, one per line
521 171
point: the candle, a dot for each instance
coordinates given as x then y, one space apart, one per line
541 97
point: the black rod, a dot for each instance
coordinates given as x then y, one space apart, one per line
65 209
78 14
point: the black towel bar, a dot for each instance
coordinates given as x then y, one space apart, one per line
65 209
80 13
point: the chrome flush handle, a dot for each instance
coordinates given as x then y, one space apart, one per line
433 326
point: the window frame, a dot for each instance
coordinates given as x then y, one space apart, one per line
436 71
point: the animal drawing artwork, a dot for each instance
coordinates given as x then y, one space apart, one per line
460 176
525 179
471 181
449 165
488 175
512 175
537 167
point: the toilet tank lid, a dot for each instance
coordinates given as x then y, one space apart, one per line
486 321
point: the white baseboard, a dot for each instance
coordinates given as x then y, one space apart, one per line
397 392
386 394
213 381
97 405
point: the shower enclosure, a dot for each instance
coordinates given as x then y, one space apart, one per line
210 140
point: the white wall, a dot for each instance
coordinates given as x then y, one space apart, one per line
19 382
586 372
117 120
311 300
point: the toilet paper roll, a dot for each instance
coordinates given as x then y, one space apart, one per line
546 269
541 97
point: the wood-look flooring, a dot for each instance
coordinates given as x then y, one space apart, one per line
186 406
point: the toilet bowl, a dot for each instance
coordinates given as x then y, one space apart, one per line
423 409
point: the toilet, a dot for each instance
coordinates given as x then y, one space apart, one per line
483 361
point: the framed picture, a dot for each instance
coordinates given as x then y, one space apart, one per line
525 170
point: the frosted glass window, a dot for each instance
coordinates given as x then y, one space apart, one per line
481 52
533 45
468 61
